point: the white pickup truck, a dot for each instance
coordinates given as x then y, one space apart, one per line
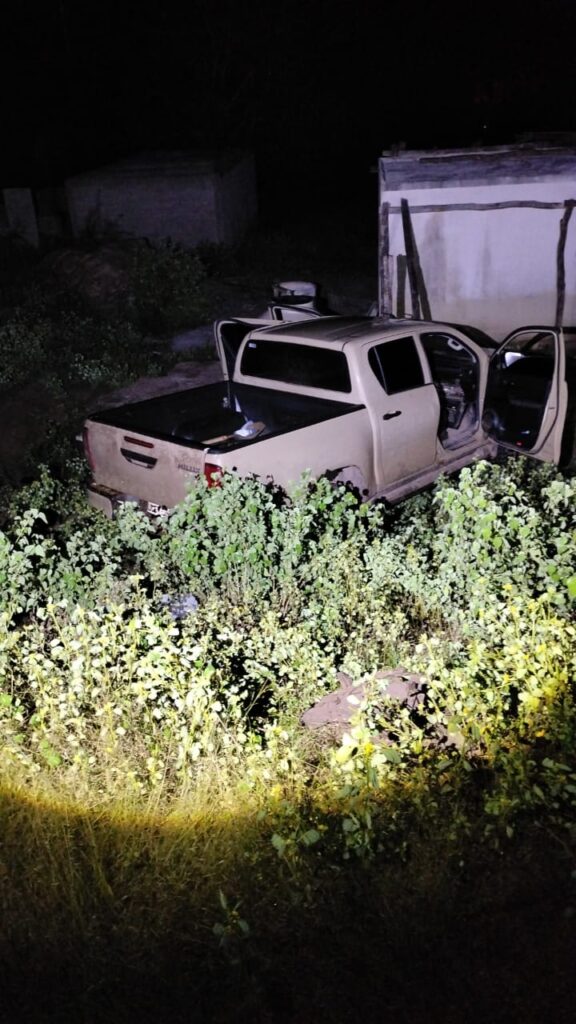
387 405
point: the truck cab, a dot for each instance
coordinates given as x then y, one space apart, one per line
438 395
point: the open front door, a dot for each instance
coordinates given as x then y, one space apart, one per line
527 395
228 336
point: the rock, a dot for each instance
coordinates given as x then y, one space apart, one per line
100 277
404 687
331 716
336 709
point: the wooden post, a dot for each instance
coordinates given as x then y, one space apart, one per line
384 268
21 214
401 286
569 205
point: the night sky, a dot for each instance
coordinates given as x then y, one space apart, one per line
316 88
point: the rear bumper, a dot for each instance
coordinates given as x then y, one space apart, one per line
101 500
108 501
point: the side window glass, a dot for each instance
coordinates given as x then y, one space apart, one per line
396 364
447 356
535 345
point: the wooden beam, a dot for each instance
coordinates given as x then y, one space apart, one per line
401 286
384 275
569 205
510 204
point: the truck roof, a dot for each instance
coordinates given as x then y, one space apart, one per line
340 330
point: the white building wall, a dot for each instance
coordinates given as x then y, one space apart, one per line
493 268
151 207
173 197
235 201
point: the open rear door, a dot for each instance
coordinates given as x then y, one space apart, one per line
287 312
527 395
228 336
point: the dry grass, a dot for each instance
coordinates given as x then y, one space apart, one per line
111 915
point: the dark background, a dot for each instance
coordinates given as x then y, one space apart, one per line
316 88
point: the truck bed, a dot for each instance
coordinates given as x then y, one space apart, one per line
223 416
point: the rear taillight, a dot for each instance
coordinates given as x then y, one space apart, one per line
213 474
86 444
138 441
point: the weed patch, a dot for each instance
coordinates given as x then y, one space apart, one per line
173 837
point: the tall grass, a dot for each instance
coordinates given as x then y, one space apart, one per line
138 915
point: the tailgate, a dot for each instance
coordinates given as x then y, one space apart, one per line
140 466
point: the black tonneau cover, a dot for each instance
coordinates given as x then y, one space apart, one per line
222 416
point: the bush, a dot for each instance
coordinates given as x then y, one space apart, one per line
171 751
167 288
317 572
458 546
67 350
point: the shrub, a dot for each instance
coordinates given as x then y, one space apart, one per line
110 693
167 288
67 349
291 589
459 545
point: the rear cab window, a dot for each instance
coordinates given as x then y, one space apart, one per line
301 365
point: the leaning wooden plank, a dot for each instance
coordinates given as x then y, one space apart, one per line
410 257
419 295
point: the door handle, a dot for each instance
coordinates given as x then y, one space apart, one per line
138 459
392 415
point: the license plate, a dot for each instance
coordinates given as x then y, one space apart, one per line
153 509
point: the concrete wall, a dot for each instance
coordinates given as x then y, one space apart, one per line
493 268
33 215
186 198
20 214
235 200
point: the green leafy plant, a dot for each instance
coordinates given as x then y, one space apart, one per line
167 285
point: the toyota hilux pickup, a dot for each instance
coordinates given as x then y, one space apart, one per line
386 405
